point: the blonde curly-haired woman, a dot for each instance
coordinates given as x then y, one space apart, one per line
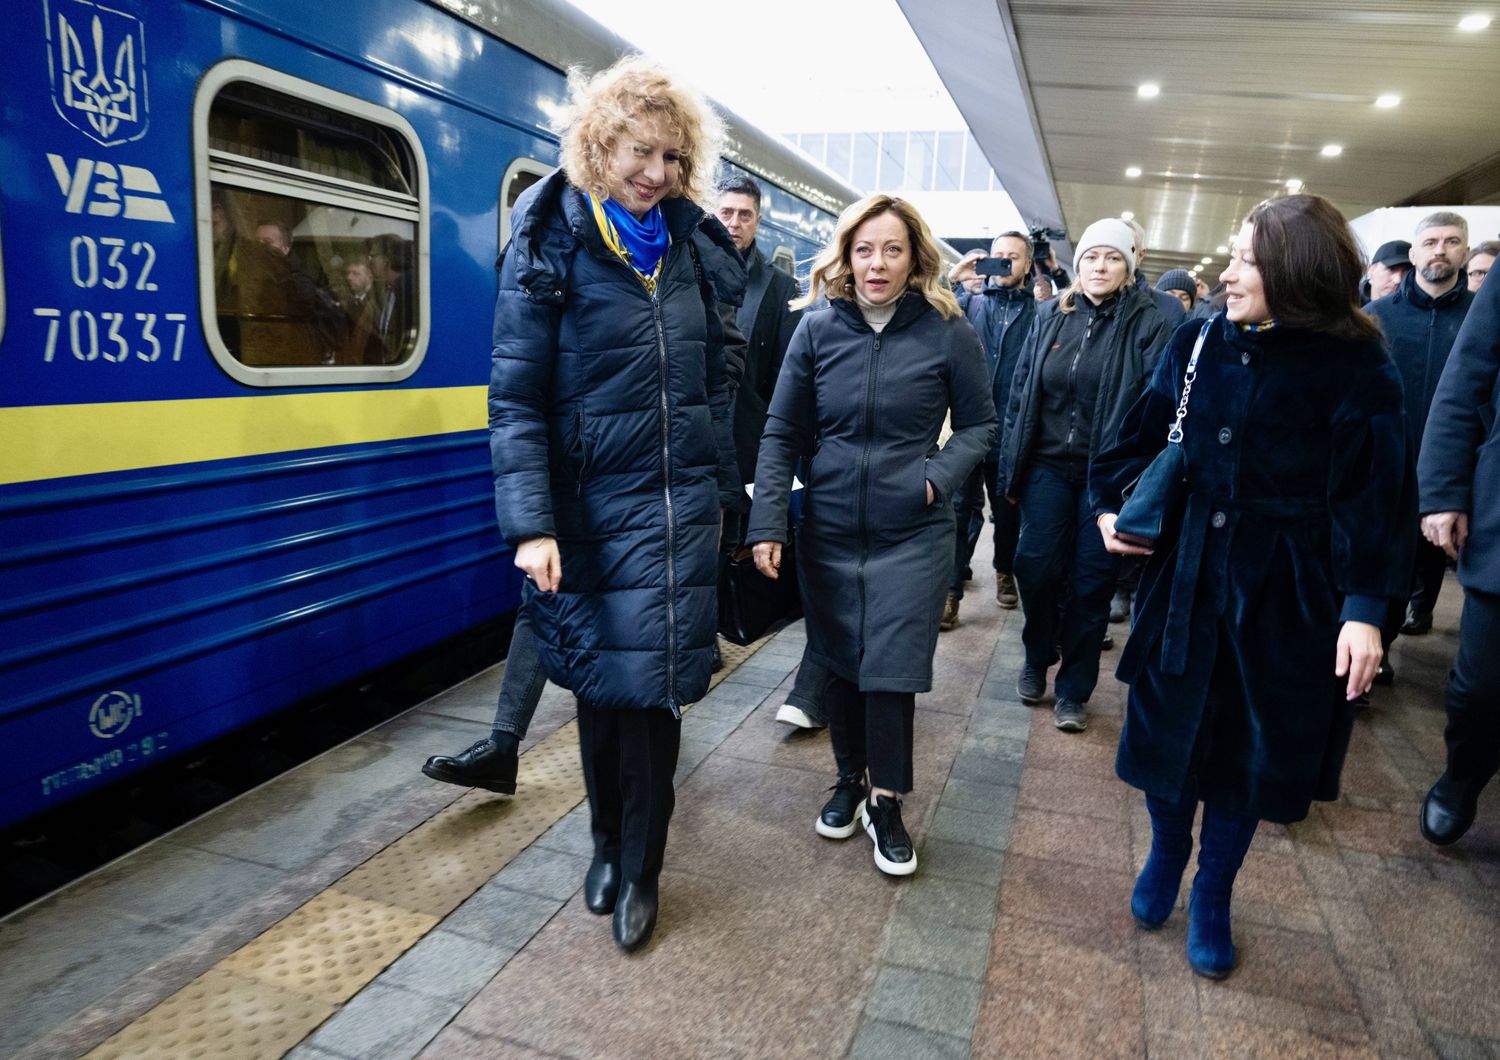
611 446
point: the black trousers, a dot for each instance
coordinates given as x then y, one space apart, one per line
871 731
1065 578
1473 701
629 757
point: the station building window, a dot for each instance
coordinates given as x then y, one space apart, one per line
312 231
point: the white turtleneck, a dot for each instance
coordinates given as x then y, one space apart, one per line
877 316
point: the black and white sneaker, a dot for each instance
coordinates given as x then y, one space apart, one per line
894 853
840 816
1070 715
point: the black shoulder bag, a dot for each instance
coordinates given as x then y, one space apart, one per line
1159 495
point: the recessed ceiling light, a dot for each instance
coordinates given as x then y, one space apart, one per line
1127 215
1221 250
1132 171
1150 90
1331 150
1293 185
1469 24
1197 176
1388 101
1197 268
1208 261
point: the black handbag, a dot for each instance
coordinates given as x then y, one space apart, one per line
750 604
1156 500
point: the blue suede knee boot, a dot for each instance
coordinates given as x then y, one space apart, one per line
1171 846
1222 842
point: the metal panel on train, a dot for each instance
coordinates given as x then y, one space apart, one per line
229 482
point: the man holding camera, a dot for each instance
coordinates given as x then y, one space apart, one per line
1001 311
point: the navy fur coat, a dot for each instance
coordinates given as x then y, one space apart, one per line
610 431
1302 493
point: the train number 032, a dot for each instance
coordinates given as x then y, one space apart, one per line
102 261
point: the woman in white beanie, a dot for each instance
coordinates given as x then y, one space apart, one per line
1089 356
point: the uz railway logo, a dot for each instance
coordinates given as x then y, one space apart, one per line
104 189
97 57
112 714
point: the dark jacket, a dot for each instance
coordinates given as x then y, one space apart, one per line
767 323
1133 333
1003 317
1459 468
1167 304
874 558
610 431
1419 332
1301 488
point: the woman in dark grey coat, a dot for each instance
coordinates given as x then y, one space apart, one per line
864 389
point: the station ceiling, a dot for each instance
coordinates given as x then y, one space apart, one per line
1250 94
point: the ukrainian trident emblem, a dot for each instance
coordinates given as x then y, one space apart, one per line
97 57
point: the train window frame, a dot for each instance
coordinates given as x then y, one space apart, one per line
520 166
215 167
785 259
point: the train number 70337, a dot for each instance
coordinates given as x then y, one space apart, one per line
116 337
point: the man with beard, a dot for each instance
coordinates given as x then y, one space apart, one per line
1421 320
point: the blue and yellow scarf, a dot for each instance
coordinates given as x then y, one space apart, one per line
641 244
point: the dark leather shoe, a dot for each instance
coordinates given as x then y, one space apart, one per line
601 886
718 661
635 915
1445 817
1385 676
482 766
1417 624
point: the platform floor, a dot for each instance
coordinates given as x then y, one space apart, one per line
355 909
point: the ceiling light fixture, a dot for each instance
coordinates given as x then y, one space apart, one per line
1208 261
1132 171
1150 90
1293 185
1331 150
1127 215
1469 24
1221 250
1389 101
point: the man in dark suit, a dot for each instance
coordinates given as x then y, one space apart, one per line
1458 475
359 305
767 324
396 311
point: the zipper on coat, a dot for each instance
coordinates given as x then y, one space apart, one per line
666 487
1073 381
863 518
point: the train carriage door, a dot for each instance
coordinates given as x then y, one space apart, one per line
312 231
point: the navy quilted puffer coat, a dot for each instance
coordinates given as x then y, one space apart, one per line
610 432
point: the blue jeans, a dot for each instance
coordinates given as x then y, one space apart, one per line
807 693
1065 578
521 687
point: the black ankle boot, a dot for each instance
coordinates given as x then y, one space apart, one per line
635 915
601 886
485 765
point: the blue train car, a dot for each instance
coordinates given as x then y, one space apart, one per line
246 271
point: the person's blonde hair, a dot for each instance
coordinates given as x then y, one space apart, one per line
612 103
1068 300
833 277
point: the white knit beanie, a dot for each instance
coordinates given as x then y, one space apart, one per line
1107 232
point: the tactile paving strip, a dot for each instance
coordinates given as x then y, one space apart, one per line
438 864
263 999
219 1015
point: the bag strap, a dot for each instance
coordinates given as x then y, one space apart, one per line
1175 434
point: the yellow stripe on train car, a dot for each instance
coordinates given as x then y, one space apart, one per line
56 441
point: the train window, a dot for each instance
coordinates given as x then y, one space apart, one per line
312 231
519 175
782 258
